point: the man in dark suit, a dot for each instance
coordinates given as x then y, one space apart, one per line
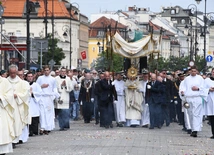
169 98
107 97
154 98
177 100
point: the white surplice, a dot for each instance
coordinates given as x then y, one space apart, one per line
47 114
7 134
64 92
209 104
145 118
120 103
21 108
184 110
195 99
34 104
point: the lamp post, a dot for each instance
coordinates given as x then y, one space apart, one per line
68 29
205 25
194 11
29 7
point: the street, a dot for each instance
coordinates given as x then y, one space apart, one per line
90 139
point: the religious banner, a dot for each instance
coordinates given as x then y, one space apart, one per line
83 55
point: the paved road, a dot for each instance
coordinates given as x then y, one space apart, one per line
89 139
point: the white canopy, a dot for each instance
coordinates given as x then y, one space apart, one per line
136 49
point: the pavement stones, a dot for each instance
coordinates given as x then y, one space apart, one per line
90 139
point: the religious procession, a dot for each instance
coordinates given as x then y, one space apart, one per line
33 102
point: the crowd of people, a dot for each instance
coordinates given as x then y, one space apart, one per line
31 102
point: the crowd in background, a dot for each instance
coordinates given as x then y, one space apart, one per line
31 101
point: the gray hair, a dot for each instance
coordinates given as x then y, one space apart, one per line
13 66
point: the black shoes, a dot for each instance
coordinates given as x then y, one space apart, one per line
193 134
212 137
189 131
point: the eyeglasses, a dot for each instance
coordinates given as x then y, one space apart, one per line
46 70
76 87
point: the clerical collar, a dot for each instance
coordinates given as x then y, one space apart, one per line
62 77
31 83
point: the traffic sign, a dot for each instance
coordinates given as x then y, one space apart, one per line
209 58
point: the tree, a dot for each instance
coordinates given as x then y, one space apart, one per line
57 55
175 63
113 63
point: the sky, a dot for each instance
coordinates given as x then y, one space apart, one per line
88 7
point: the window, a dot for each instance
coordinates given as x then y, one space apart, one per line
172 12
100 49
100 33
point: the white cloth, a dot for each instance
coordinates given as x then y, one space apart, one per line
209 104
34 105
21 108
6 116
47 114
133 102
120 103
145 117
64 92
195 99
25 134
6 148
136 49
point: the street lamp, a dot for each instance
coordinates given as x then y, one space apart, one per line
30 6
67 29
207 17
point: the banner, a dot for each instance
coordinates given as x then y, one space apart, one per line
83 55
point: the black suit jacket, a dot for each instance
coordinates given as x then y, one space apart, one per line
155 95
169 90
108 93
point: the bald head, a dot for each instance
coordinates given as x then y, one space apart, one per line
153 77
107 75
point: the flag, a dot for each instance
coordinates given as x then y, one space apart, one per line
83 55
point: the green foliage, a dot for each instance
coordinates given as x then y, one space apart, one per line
114 63
175 63
57 55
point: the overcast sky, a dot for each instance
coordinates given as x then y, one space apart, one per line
88 7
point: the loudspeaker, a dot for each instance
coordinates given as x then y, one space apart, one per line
126 64
143 63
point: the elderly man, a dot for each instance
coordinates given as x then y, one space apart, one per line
107 97
49 93
25 132
86 96
64 86
21 93
6 116
193 89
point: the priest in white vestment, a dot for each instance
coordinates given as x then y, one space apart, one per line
21 98
7 134
194 91
209 104
25 131
119 105
133 100
34 104
145 119
49 93
184 110
64 86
